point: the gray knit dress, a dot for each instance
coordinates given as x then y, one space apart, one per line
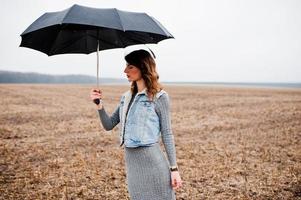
147 169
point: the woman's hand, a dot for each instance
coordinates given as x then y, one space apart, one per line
176 181
96 94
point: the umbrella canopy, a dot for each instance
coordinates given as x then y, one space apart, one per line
81 29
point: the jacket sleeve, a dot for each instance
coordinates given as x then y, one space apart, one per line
109 122
163 111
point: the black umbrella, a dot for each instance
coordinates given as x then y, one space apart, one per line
81 29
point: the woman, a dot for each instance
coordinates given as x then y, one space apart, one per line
143 113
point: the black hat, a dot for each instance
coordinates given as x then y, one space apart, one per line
135 58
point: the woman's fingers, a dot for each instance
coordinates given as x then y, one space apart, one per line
180 183
95 94
95 91
176 181
177 184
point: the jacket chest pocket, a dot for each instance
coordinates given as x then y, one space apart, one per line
145 104
144 107
145 111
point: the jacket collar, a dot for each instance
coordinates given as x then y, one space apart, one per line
128 94
142 92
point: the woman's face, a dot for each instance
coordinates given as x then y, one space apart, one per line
133 73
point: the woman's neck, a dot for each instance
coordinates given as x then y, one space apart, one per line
140 85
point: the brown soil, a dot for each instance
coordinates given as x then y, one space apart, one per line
232 143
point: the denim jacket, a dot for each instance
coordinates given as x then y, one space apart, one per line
141 127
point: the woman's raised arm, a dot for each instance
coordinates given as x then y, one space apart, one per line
108 122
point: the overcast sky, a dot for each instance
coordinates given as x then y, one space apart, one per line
215 40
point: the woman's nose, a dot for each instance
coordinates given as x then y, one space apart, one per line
125 70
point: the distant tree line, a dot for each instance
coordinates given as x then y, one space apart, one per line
21 77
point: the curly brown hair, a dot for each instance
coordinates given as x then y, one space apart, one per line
145 62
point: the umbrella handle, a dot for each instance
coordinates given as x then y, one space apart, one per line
96 101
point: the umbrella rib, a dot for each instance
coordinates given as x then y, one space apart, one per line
121 39
117 11
67 44
62 23
160 25
67 13
54 41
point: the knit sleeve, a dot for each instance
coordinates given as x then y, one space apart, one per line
163 110
109 122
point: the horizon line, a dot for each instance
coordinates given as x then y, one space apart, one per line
169 81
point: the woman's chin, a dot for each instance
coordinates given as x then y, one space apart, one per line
131 80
